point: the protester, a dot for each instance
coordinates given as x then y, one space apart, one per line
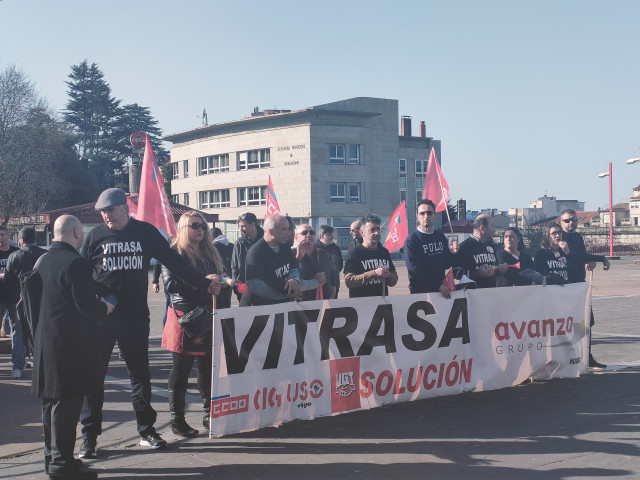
250 232
578 260
326 241
65 367
225 250
271 268
551 260
354 231
368 270
477 254
195 245
520 267
120 251
313 263
8 302
20 262
427 253
291 231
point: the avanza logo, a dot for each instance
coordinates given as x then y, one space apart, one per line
345 372
229 406
344 384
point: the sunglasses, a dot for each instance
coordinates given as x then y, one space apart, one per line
196 226
307 232
569 220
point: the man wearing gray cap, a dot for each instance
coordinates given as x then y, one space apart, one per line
120 251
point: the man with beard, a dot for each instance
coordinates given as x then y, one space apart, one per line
313 262
579 260
250 233
427 253
368 270
477 254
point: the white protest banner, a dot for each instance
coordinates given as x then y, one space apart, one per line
277 363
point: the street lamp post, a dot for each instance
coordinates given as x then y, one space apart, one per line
608 174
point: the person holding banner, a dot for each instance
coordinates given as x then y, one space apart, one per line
195 244
427 253
520 267
272 269
314 264
368 270
477 255
551 260
120 251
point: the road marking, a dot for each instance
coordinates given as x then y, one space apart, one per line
161 392
615 296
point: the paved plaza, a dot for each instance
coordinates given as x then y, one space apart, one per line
562 429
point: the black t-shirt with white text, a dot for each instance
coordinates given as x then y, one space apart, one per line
361 260
264 263
474 254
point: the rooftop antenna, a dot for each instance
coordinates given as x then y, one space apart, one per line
204 117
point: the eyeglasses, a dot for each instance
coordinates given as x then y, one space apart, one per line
428 213
196 226
569 220
555 232
307 232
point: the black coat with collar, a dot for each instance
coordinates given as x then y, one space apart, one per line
65 361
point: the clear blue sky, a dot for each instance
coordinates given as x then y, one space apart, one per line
528 98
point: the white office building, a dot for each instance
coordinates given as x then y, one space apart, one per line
329 164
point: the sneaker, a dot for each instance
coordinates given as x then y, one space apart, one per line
88 449
593 363
153 441
16 373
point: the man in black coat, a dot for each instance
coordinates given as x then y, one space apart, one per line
65 346
250 233
20 262
120 251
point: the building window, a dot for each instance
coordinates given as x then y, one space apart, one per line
421 171
214 199
345 192
354 192
186 199
175 171
213 164
354 154
336 154
185 168
252 196
402 166
254 159
337 193
174 198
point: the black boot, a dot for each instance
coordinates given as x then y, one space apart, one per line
206 407
179 425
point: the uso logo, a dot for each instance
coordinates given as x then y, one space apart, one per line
229 406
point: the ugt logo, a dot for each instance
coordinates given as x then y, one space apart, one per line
344 384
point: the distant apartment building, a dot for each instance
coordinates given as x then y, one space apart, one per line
634 207
541 209
329 164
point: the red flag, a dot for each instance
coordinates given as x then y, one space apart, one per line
449 281
436 187
153 204
272 201
398 229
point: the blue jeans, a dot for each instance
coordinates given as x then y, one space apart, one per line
17 350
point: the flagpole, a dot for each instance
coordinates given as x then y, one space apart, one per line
446 205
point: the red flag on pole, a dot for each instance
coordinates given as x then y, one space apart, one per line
272 201
153 204
436 187
398 228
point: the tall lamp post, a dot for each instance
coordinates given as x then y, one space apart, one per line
602 175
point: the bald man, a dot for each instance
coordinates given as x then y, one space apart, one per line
272 269
477 254
65 363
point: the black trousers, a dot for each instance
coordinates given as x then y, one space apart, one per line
182 363
59 421
133 339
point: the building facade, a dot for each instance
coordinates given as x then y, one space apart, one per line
329 164
541 209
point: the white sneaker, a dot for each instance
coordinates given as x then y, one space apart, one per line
16 373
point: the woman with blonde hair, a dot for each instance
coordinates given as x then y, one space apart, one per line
194 243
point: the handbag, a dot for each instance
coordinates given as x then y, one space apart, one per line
196 323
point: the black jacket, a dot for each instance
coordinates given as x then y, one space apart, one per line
239 256
20 262
184 296
65 361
